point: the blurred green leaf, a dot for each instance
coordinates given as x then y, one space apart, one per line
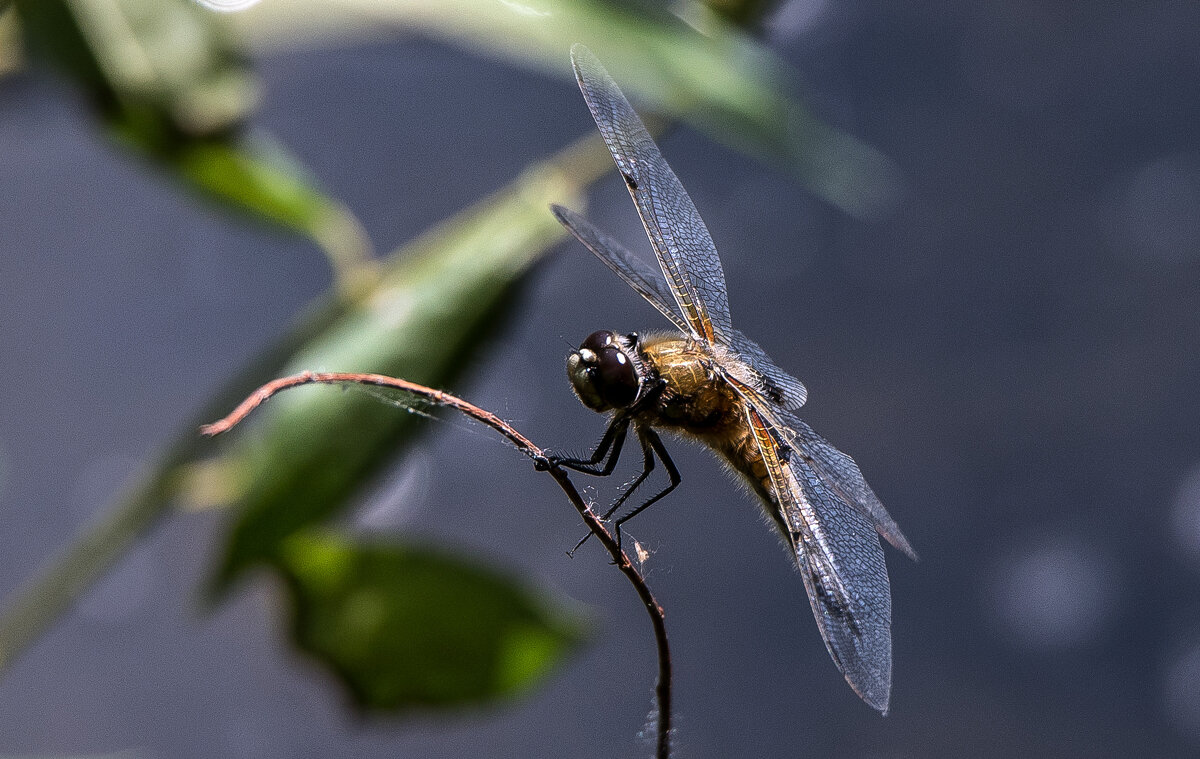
748 14
10 40
465 637
258 174
438 299
307 464
707 71
169 82
406 627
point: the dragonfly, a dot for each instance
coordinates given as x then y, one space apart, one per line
709 382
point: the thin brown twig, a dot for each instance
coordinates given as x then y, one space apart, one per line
541 461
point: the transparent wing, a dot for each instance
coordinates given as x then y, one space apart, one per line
842 564
682 243
778 386
637 273
843 479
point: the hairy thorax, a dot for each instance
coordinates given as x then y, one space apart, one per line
698 402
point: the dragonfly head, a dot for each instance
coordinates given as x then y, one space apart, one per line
603 371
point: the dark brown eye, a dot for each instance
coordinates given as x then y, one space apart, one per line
598 341
602 372
616 379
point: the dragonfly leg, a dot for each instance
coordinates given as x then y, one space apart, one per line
614 438
650 442
647 468
610 447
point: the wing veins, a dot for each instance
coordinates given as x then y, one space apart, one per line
676 231
854 620
648 282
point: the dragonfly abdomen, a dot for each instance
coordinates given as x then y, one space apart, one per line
740 451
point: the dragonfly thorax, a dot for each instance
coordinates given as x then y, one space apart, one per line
604 372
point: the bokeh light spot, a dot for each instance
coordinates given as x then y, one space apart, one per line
795 18
1055 594
228 6
1185 518
1156 218
1182 694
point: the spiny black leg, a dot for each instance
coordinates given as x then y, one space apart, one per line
650 438
647 468
614 438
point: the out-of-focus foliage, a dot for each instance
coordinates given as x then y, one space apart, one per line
10 39
402 627
438 298
406 627
169 82
748 14
309 452
313 448
707 71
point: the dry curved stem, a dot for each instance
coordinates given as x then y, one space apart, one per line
541 461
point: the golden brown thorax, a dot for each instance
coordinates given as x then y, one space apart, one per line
697 401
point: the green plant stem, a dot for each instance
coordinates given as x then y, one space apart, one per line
44 600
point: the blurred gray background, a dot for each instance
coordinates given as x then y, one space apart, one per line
1010 356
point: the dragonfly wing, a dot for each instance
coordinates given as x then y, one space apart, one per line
777 386
648 281
681 241
842 477
842 564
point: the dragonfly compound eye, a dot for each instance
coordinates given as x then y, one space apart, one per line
598 341
616 378
602 374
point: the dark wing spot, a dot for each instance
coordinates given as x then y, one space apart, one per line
773 391
629 180
835 605
832 603
784 453
782 449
